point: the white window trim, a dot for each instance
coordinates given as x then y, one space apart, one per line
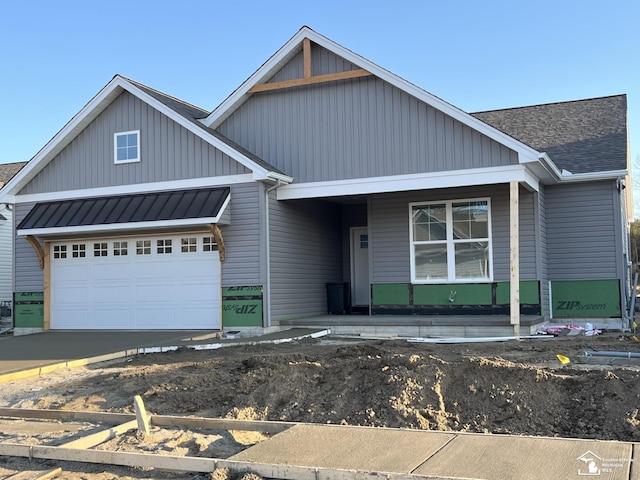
115 148
450 244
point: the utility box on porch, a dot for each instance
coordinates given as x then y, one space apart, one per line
338 298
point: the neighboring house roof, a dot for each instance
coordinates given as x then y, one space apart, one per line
8 170
580 136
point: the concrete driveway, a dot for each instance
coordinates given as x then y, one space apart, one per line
38 353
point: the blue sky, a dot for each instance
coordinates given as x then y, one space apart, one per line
476 55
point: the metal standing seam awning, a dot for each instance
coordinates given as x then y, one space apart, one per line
168 209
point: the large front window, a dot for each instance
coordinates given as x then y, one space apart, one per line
451 241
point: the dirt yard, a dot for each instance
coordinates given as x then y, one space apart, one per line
518 388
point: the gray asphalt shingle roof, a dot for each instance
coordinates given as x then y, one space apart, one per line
8 170
580 136
194 114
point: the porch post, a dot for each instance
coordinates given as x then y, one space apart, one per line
514 245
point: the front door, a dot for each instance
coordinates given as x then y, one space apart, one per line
359 266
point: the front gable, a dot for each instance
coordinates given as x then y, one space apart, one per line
168 152
352 128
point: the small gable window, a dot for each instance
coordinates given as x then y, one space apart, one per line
127 147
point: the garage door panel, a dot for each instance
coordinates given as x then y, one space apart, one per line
177 290
111 272
74 318
113 295
112 318
71 294
156 318
195 292
199 317
153 293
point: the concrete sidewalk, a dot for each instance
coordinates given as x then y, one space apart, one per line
38 353
446 454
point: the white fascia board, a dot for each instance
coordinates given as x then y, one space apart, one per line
594 176
273 176
135 188
195 129
401 183
117 227
216 117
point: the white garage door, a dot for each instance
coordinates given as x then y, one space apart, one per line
159 282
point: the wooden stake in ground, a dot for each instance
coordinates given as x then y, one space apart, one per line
141 415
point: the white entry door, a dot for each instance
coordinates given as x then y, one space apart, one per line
359 266
161 282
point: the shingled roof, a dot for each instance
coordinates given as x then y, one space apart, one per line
580 136
8 170
195 114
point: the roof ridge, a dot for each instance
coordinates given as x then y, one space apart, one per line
140 84
550 103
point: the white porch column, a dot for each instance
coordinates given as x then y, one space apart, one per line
514 246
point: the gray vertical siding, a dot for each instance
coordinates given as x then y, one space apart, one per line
581 231
389 231
6 254
28 274
543 251
168 152
242 237
355 128
306 253
322 62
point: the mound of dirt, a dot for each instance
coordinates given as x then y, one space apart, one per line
513 387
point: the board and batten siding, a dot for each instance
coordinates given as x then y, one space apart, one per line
323 62
242 237
389 231
306 254
6 254
581 231
168 152
357 128
28 274
543 250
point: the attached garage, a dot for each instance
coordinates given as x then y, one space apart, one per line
134 262
155 282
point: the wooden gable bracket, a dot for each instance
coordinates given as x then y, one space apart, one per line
217 235
308 78
38 249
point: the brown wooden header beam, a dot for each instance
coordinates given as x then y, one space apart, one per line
299 82
307 75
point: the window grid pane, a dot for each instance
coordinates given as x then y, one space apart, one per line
143 247
163 246
451 241
100 249
209 244
79 250
120 249
188 245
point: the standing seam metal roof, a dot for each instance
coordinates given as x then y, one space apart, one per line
145 207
